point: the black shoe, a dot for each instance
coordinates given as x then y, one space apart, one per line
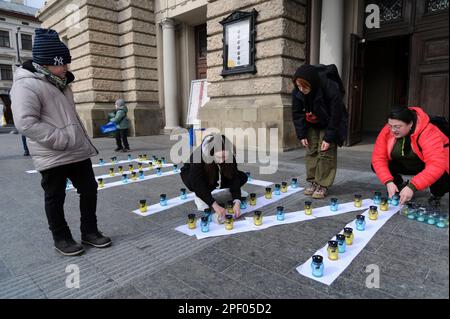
119 149
26 154
126 150
68 247
96 239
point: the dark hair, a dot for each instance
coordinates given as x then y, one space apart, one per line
402 113
227 169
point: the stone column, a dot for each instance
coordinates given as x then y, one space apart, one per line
170 74
332 31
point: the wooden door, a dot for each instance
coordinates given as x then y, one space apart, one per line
355 90
429 61
200 51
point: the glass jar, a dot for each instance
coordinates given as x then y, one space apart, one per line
341 239
421 214
249 177
308 208
208 213
334 204
357 200
191 221
124 178
332 250
129 157
163 200
111 171
252 199
395 200
284 187
257 218
133 176
204 224
384 205
348 232
183 194
280 213
317 266
141 174
268 194
101 183
360 222
143 205
294 183
377 198
442 222
120 168
229 221
373 212
101 162
277 189
130 168
175 168
158 171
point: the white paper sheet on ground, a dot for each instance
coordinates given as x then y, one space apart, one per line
298 216
175 202
342 208
259 182
246 226
96 165
332 269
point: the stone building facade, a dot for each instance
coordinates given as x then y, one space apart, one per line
149 51
17 25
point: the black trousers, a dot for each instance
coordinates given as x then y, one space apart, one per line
53 182
438 189
121 136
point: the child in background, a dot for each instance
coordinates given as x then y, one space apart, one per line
119 117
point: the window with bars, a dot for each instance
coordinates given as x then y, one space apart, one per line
390 10
6 73
436 6
4 39
27 41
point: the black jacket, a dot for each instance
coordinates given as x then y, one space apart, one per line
328 106
195 178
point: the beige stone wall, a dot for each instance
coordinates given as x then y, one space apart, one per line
114 55
262 99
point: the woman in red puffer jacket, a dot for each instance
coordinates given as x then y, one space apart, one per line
409 144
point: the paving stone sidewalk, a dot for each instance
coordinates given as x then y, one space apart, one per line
149 259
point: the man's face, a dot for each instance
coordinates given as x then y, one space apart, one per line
58 70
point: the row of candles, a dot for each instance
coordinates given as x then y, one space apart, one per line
134 175
143 157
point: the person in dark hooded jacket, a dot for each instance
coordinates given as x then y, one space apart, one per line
317 111
212 165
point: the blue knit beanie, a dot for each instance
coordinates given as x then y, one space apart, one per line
48 48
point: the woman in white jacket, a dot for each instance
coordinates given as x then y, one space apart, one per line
44 111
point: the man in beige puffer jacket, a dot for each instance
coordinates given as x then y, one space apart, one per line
44 111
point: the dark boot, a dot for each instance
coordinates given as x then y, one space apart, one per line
68 247
96 239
